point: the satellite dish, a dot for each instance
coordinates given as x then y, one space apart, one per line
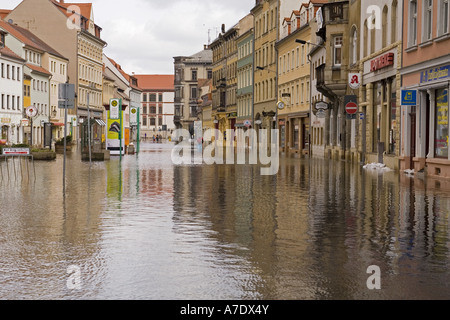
10 21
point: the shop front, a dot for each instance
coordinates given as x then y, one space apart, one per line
381 114
426 128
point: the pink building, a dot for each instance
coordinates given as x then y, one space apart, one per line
425 86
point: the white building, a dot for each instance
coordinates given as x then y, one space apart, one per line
33 50
157 105
11 106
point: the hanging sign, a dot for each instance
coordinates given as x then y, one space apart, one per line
114 106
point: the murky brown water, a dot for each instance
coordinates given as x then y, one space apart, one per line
146 229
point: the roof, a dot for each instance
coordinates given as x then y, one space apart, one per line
29 38
204 55
156 81
5 51
38 69
85 8
4 13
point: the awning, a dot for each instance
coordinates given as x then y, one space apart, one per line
100 122
58 124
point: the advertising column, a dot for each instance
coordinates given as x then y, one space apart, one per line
115 141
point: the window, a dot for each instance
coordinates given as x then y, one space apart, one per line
153 109
394 21
144 97
194 75
193 92
412 28
427 24
354 46
152 121
444 13
441 136
384 26
152 97
337 51
3 70
144 121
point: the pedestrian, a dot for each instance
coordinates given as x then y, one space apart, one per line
145 137
157 138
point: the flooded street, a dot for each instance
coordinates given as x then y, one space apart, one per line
144 228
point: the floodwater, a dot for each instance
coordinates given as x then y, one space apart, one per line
143 228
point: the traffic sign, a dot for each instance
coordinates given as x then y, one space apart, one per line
351 108
31 111
350 103
66 96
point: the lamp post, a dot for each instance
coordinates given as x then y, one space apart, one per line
306 42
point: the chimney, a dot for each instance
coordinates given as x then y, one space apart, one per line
223 28
61 1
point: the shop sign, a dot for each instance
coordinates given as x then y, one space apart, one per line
409 97
435 74
354 80
6 120
16 151
320 105
382 61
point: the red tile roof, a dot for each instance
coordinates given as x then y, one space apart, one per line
5 51
29 38
4 13
85 8
38 69
156 81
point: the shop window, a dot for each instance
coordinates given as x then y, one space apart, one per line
441 135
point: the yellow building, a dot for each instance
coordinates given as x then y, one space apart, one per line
265 15
294 81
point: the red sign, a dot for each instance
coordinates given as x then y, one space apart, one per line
351 108
382 61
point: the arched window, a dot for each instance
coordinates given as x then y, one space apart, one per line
384 26
354 45
394 21
366 34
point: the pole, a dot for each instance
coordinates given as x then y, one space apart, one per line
120 129
65 137
89 128
138 130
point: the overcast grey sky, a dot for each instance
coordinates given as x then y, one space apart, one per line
143 36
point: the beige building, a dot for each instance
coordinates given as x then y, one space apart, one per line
187 72
71 30
294 81
225 76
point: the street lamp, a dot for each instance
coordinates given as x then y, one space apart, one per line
306 42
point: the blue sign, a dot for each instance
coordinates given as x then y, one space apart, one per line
435 74
409 97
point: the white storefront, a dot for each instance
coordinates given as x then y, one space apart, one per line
11 99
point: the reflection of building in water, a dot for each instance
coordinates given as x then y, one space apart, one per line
43 233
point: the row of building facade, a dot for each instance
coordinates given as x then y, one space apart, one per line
46 43
365 81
